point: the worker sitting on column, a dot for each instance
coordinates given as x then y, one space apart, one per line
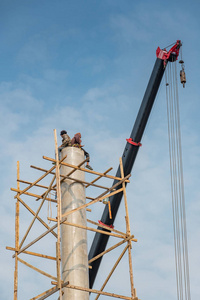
66 142
76 142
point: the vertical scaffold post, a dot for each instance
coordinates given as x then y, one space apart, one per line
16 238
58 191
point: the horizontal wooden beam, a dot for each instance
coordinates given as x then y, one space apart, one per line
33 253
32 195
36 181
106 227
95 230
70 286
74 179
85 182
37 185
85 170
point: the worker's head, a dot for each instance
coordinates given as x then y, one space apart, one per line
63 132
78 134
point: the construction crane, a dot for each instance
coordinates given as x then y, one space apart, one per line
132 146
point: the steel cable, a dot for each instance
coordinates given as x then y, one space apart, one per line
177 185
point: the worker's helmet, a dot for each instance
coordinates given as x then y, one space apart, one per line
63 132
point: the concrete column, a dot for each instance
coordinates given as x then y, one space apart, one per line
74 254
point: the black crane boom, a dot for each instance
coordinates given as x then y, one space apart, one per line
131 150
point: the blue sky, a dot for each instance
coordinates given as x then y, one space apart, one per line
84 66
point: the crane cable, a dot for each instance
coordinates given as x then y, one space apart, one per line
177 184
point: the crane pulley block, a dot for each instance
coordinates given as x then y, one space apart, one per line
170 55
182 73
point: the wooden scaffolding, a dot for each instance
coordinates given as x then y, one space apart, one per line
44 195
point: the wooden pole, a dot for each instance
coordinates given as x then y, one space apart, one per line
33 213
85 170
39 179
36 269
65 218
16 238
31 195
106 227
58 191
100 292
95 230
93 181
100 197
36 214
49 292
127 231
38 185
109 249
113 269
34 253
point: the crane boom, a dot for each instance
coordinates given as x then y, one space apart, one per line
131 149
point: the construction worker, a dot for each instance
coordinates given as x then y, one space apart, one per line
76 142
66 142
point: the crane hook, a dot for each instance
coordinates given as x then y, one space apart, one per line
182 73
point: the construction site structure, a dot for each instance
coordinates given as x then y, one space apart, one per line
68 236
72 205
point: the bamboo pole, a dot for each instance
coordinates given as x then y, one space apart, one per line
33 253
106 227
85 170
58 190
63 220
97 224
36 181
49 292
109 208
100 292
85 182
113 269
68 177
79 165
125 198
33 213
101 197
119 235
110 249
37 239
37 185
16 238
36 269
54 187
37 212
31 194
128 231
93 229
100 176
97 199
